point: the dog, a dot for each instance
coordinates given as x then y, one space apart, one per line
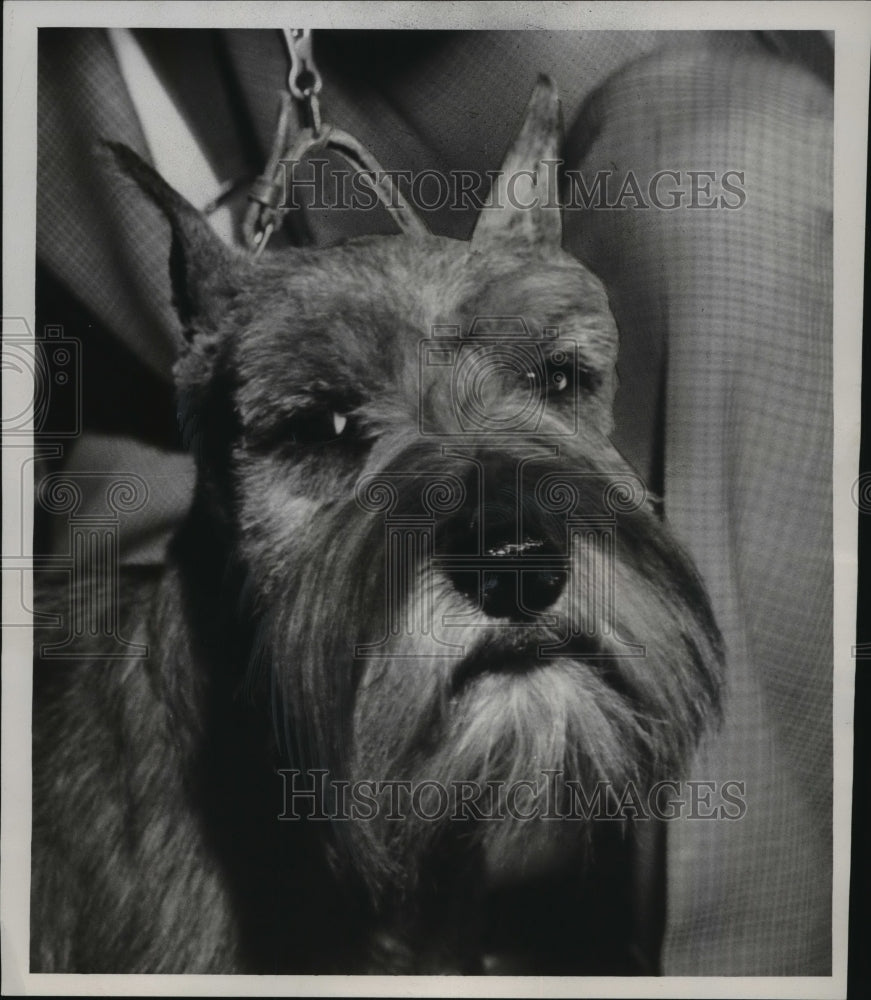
414 564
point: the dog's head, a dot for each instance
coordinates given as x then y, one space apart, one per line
454 576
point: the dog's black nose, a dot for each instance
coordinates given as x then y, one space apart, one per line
502 549
507 578
538 588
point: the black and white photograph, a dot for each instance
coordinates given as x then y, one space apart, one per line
430 496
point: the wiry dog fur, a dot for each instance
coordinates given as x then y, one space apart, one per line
156 841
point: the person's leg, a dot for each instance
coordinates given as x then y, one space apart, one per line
726 368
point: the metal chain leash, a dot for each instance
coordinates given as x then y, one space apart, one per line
267 207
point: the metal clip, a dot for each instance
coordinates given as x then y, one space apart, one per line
304 81
266 209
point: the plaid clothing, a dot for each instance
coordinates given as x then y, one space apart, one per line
742 302
725 366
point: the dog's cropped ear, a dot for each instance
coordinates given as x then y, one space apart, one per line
204 271
524 202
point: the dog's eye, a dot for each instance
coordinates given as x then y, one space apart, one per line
311 428
566 374
320 427
559 372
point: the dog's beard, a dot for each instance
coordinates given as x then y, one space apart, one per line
622 702
505 713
